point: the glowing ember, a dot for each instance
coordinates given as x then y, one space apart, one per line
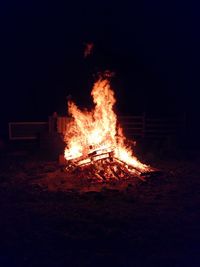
94 136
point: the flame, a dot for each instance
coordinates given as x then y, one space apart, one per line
98 131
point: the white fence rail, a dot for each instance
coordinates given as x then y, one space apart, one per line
26 130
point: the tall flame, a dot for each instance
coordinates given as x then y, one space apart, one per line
97 130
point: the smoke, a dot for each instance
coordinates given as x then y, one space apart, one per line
88 49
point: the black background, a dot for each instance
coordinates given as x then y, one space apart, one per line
152 46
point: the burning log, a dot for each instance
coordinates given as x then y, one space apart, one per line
104 166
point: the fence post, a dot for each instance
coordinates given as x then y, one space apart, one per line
144 125
53 123
185 123
10 131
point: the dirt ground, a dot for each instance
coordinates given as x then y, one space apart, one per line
50 219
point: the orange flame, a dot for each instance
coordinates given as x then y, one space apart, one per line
97 130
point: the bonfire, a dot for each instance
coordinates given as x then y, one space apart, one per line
95 141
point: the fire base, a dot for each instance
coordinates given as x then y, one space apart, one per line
106 168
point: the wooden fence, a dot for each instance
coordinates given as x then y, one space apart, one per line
26 130
141 126
133 126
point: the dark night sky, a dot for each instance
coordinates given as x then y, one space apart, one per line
153 47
